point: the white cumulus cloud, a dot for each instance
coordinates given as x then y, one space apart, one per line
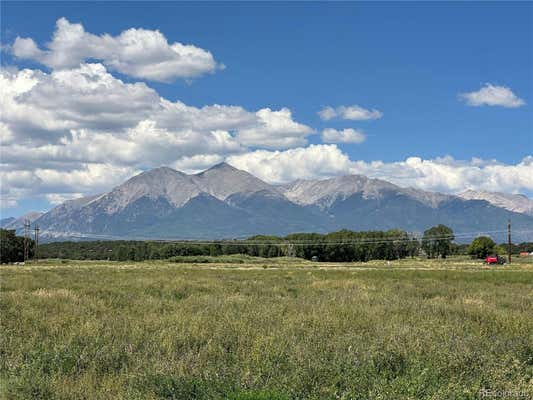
448 175
140 53
56 184
492 95
443 174
353 113
275 129
314 161
330 135
81 121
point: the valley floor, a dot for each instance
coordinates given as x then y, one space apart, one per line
268 329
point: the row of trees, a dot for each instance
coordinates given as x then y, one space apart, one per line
337 246
354 246
344 245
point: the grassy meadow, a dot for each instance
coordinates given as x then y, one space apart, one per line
265 329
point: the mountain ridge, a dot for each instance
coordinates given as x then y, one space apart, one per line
512 202
18 223
225 202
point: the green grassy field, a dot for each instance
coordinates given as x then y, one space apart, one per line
266 330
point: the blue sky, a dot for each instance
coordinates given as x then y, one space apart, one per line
410 61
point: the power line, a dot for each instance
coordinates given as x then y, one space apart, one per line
393 240
284 242
326 242
413 235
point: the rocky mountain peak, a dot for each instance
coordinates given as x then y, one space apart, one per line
222 180
223 166
155 173
164 182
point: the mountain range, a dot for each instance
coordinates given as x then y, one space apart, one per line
18 223
224 202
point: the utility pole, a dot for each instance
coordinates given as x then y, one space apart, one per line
36 255
26 239
509 244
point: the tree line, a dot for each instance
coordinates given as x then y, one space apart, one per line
341 246
337 246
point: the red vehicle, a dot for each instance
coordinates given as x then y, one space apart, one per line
494 260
